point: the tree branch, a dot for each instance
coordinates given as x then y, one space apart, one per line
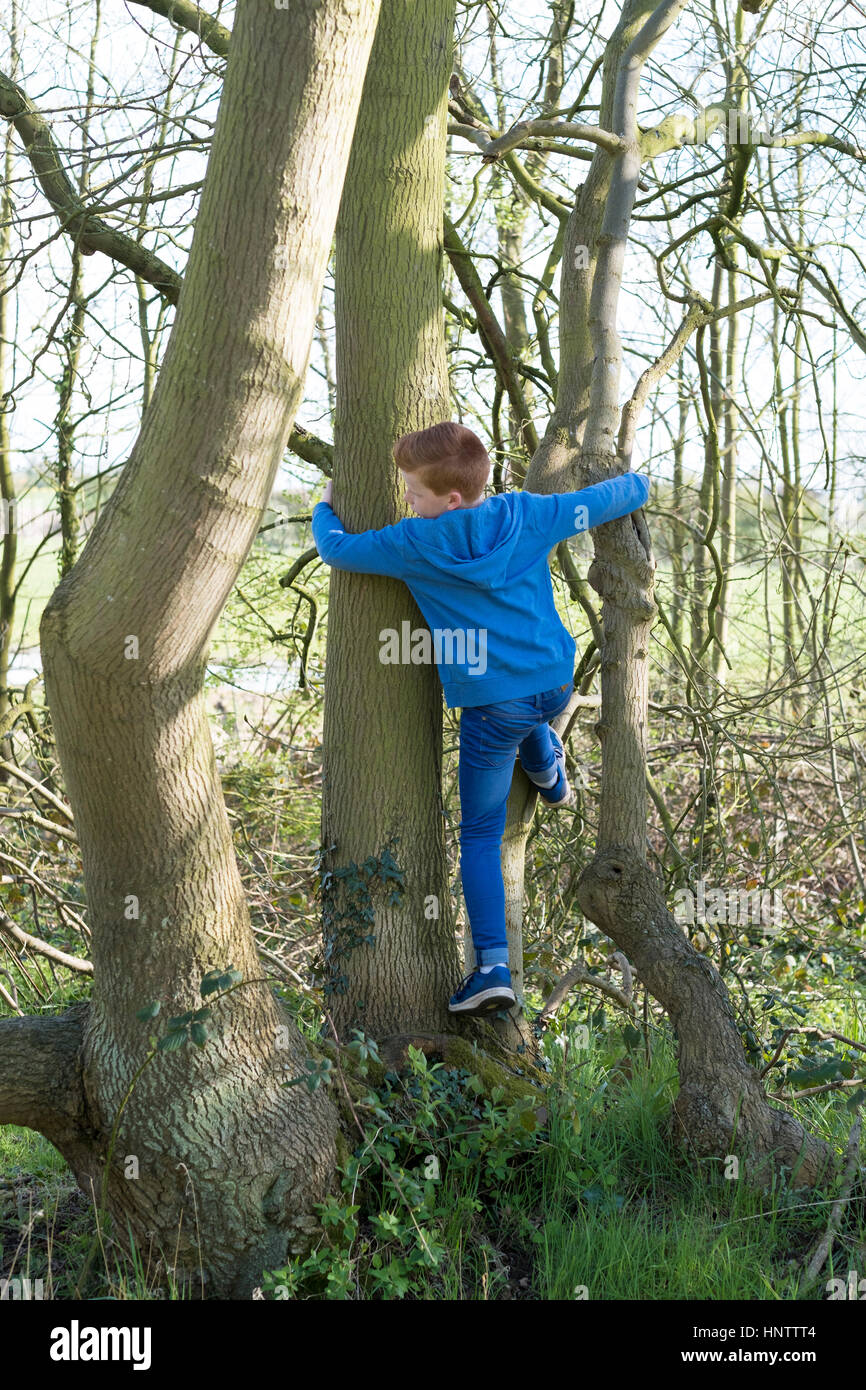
188 16
91 234
488 326
40 1074
571 129
825 1244
579 975
41 948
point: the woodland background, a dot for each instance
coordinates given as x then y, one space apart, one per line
450 1184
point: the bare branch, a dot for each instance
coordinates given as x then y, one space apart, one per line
560 129
825 1244
42 948
90 233
579 975
188 16
488 325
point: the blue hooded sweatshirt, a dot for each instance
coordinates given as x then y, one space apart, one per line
480 577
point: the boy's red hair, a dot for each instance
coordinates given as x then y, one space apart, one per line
445 457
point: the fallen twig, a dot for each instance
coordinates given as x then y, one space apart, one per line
825 1244
42 948
579 975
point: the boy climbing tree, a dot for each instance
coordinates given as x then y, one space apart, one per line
477 569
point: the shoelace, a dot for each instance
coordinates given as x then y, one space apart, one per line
464 986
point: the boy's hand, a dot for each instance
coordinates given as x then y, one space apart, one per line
326 495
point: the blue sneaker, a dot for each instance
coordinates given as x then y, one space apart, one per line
559 793
481 994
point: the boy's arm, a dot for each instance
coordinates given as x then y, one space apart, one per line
561 514
366 552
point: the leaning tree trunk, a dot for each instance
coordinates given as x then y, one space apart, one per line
555 465
8 519
216 1162
721 1107
382 733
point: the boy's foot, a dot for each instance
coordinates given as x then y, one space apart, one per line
481 994
560 792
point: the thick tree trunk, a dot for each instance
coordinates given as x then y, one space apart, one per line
383 723
217 1164
557 465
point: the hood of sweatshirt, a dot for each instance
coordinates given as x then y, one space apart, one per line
471 545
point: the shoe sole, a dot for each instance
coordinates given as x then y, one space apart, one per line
485 1002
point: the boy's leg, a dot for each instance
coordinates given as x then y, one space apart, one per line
486 768
489 738
541 754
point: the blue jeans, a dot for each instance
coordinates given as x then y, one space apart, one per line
490 735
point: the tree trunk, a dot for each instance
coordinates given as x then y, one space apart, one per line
8 519
383 723
721 1109
217 1164
555 464
617 891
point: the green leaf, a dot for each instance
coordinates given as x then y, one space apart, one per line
149 1011
418 1058
199 1034
831 1070
217 980
172 1041
181 1021
389 867
390 1222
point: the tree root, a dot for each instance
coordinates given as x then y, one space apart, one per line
485 1057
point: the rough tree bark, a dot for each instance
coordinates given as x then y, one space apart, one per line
229 1161
383 723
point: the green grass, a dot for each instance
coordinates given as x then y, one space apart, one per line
595 1203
